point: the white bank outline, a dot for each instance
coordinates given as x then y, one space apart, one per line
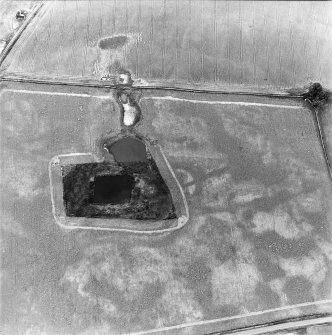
182 220
241 103
295 324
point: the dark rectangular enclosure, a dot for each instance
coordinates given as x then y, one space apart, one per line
133 190
111 189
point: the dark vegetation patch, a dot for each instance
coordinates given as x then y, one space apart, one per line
317 96
298 289
224 310
318 222
268 204
113 42
274 243
204 296
198 273
268 269
150 294
225 252
322 289
248 214
216 235
112 189
267 298
130 188
243 162
99 288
